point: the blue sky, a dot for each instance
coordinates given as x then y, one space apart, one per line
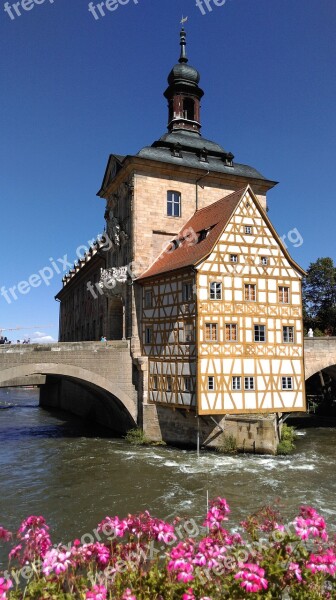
75 89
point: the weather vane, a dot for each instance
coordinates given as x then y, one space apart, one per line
184 20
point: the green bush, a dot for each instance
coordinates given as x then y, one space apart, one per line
227 444
136 437
286 444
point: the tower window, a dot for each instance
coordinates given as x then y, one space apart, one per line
173 204
189 109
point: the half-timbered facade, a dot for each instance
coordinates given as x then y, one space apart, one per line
222 317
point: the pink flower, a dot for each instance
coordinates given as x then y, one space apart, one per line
323 563
189 595
128 595
216 514
5 585
56 561
252 577
5 534
295 568
98 592
310 523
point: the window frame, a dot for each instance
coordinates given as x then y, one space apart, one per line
187 388
172 203
236 383
146 293
264 261
190 325
231 327
281 294
214 289
260 327
248 380
285 379
248 287
187 291
248 227
211 386
234 258
169 383
210 327
155 386
291 334
148 335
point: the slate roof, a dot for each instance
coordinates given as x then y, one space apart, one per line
191 145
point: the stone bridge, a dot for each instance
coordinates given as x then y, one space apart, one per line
91 379
320 355
97 381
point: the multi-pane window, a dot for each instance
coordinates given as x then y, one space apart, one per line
283 293
264 260
287 383
231 332
248 229
155 382
211 383
211 332
148 335
187 384
249 383
173 204
236 383
234 258
215 290
148 298
250 292
288 334
169 383
187 291
259 333
188 332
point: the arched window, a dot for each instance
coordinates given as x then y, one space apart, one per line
189 109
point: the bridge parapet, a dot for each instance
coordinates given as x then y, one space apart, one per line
320 353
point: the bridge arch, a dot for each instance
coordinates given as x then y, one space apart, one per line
91 380
322 364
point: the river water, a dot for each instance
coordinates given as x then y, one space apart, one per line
74 474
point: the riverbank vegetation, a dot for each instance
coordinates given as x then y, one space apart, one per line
286 444
144 558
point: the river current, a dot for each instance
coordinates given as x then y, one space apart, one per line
74 474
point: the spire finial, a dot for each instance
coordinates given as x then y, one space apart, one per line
183 43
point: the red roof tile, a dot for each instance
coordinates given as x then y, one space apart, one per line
197 238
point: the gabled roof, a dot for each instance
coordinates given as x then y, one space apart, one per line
188 249
198 237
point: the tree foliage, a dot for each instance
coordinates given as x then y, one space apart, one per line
319 296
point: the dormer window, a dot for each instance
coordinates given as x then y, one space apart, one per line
203 155
176 150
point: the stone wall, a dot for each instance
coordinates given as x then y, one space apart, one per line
320 353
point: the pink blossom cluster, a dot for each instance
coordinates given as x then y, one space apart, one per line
217 513
323 563
5 585
139 526
252 577
5 534
310 523
98 592
34 538
193 569
56 561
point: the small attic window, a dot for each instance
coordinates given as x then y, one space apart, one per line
203 155
203 234
176 150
